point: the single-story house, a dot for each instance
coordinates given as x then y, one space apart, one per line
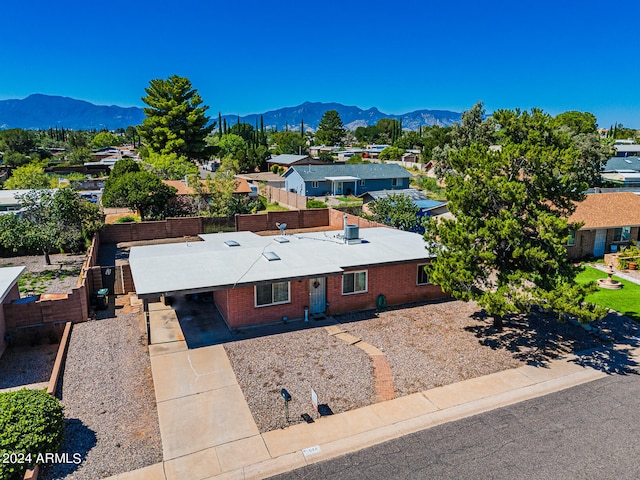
8 293
627 149
290 160
263 279
611 221
319 180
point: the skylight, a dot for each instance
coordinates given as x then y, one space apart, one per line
282 240
271 256
231 243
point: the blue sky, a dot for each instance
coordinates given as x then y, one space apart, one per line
253 56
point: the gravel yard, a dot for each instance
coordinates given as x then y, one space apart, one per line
110 408
427 346
59 277
341 375
27 365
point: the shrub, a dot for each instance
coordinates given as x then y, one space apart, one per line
633 254
316 204
127 219
31 423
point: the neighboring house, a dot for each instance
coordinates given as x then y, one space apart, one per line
622 171
10 200
242 187
8 293
319 180
611 221
316 150
266 178
263 279
427 208
627 149
291 160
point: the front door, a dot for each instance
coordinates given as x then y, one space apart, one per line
338 188
317 295
600 242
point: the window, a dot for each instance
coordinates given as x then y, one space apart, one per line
622 234
423 277
272 294
572 239
361 183
354 282
395 182
314 184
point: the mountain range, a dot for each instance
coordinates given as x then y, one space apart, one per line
40 111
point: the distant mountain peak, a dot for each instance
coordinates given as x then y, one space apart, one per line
40 111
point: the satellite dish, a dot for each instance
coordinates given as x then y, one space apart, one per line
281 227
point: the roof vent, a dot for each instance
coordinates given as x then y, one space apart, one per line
231 243
271 256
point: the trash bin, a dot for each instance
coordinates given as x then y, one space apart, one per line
102 299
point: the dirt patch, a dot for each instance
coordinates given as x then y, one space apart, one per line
26 365
59 277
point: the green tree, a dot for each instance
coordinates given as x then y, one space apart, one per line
397 211
505 248
142 191
578 122
50 220
105 139
218 194
230 145
391 153
288 143
17 140
170 166
79 155
28 176
175 119
330 130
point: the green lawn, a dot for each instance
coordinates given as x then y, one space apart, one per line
626 300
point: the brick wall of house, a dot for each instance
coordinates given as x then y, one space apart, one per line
396 282
586 239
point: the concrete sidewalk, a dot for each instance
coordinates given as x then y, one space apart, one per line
208 432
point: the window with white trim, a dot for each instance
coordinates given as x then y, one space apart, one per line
272 294
354 282
423 276
622 234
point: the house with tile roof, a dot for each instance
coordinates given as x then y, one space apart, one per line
338 179
610 221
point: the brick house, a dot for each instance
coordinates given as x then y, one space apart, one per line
610 221
263 279
8 293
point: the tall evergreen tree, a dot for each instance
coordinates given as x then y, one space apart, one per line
175 118
330 130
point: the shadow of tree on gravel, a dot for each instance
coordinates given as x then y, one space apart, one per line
537 338
78 439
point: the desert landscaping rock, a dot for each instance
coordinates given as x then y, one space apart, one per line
110 409
59 277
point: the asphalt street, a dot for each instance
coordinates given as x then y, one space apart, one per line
587 432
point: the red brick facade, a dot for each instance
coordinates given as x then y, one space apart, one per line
398 283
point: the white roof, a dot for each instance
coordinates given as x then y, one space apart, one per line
212 265
343 178
8 277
